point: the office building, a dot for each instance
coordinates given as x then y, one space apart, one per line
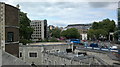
40 30
9 28
119 15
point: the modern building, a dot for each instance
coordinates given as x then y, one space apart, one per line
9 28
119 15
82 28
119 21
40 29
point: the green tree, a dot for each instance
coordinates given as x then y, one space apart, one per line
91 34
100 32
95 25
25 29
105 26
70 33
96 34
56 32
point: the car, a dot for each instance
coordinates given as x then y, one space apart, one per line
113 47
81 44
77 41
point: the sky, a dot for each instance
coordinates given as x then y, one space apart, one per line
62 13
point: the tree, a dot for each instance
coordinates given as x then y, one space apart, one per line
70 33
56 32
91 34
100 33
102 28
96 34
25 29
106 24
95 25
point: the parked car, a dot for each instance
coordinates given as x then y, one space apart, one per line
77 41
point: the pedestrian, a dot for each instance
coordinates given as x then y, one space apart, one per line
86 44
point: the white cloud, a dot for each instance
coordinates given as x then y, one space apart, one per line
113 6
66 0
64 13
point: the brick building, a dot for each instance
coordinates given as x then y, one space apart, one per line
9 29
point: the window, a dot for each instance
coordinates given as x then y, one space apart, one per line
20 54
33 54
10 36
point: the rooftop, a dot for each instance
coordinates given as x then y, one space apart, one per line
79 25
37 20
41 45
48 43
9 5
75 57
8 59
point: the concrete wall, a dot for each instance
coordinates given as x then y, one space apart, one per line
45 58
2 26
25 54
0 57
39 49
8 60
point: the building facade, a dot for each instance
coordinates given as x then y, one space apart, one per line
55 54
40 29
82 28
118 21
2 25
9 28
34 53
119 15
